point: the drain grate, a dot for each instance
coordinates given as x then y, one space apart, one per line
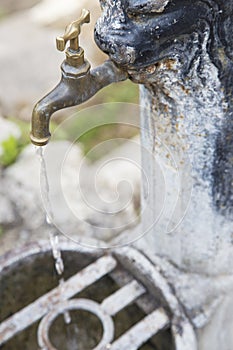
139 282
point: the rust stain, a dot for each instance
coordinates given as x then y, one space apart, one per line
186 91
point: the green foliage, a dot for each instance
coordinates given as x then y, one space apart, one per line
3 13
10 151
12 147
1 231
123 92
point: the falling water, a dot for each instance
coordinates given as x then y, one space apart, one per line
53 235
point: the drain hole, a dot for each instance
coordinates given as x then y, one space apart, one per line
83 333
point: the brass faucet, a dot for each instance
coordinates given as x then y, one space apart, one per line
78 83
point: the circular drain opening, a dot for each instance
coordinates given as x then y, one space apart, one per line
97 335
84 331
122 267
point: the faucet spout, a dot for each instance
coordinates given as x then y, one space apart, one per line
72 90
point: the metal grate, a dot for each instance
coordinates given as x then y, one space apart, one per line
139 282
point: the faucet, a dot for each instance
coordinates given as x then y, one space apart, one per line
78 82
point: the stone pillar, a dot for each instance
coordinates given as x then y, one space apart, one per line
182 122
180 127
181 54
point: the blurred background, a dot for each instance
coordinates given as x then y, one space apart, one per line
29 64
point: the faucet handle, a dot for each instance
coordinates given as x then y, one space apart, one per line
72 32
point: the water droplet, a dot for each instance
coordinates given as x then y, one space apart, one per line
67 317
59 266
48 220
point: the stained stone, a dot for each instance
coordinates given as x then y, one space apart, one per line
182 58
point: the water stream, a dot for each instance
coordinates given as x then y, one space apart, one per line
72 330
54 234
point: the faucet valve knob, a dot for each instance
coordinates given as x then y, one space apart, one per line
72 32
74 53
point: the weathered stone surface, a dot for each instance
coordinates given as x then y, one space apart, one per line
183 56
8 215
22 181
22 213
